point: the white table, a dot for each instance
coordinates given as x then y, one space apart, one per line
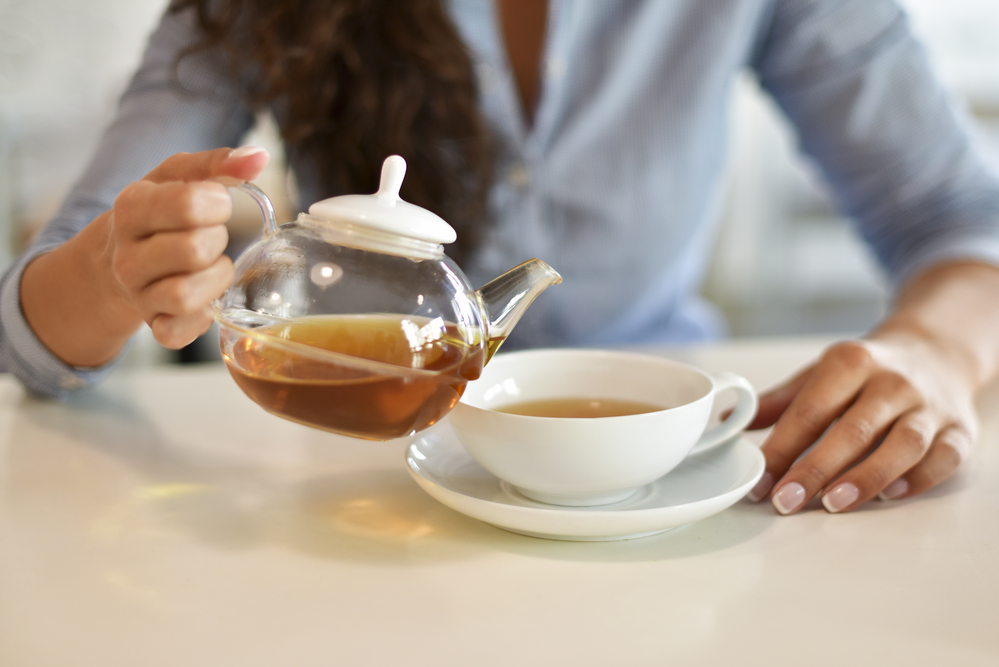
165 520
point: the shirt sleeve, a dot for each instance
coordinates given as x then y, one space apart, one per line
900 155
170 106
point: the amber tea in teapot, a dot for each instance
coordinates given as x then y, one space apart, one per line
337 393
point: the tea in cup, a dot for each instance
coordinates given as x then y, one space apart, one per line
590 427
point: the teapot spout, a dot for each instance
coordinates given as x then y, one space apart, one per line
504 299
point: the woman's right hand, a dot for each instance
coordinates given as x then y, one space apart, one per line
156 257
167 237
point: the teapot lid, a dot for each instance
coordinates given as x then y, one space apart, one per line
385 211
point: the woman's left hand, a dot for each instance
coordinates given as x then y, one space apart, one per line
889 415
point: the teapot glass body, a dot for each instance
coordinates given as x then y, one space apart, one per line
361 331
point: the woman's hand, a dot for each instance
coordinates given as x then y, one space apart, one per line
167 237
890 415
156 257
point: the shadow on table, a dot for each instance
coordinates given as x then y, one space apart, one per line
726 530
387 508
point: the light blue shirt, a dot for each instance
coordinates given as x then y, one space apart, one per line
616 183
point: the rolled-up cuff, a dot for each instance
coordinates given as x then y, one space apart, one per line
24 355
969 247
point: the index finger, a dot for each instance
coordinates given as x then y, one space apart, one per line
829 388
224 165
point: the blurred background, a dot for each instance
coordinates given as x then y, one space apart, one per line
785 263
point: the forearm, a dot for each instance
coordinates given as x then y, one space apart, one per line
953 307
71 303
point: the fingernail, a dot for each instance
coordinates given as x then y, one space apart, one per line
840 496
789 498
762 487
896 489
244 151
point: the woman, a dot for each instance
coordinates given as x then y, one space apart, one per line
585 133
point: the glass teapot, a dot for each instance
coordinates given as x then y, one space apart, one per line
353 320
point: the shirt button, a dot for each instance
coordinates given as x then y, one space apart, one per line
518 177
556 67
487 78
71 382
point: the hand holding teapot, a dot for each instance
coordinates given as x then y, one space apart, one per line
155 257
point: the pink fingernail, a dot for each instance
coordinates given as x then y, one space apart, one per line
245 151
896 489
789 498
762 488
840 496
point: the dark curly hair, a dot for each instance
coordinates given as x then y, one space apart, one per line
356 81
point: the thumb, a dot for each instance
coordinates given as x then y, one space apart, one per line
225 165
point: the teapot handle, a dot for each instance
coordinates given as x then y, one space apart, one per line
264 202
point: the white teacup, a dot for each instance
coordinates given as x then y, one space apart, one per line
592 461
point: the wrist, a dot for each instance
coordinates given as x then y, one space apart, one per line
951 313
937 347
72 302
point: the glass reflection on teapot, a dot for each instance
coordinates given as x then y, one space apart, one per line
353 320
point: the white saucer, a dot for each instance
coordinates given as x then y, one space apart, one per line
702 485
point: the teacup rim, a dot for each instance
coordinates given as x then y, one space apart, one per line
631 356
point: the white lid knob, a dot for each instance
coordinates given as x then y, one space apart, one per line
385 211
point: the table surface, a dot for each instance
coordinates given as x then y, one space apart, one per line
164 519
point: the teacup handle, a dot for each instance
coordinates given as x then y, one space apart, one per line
745 410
